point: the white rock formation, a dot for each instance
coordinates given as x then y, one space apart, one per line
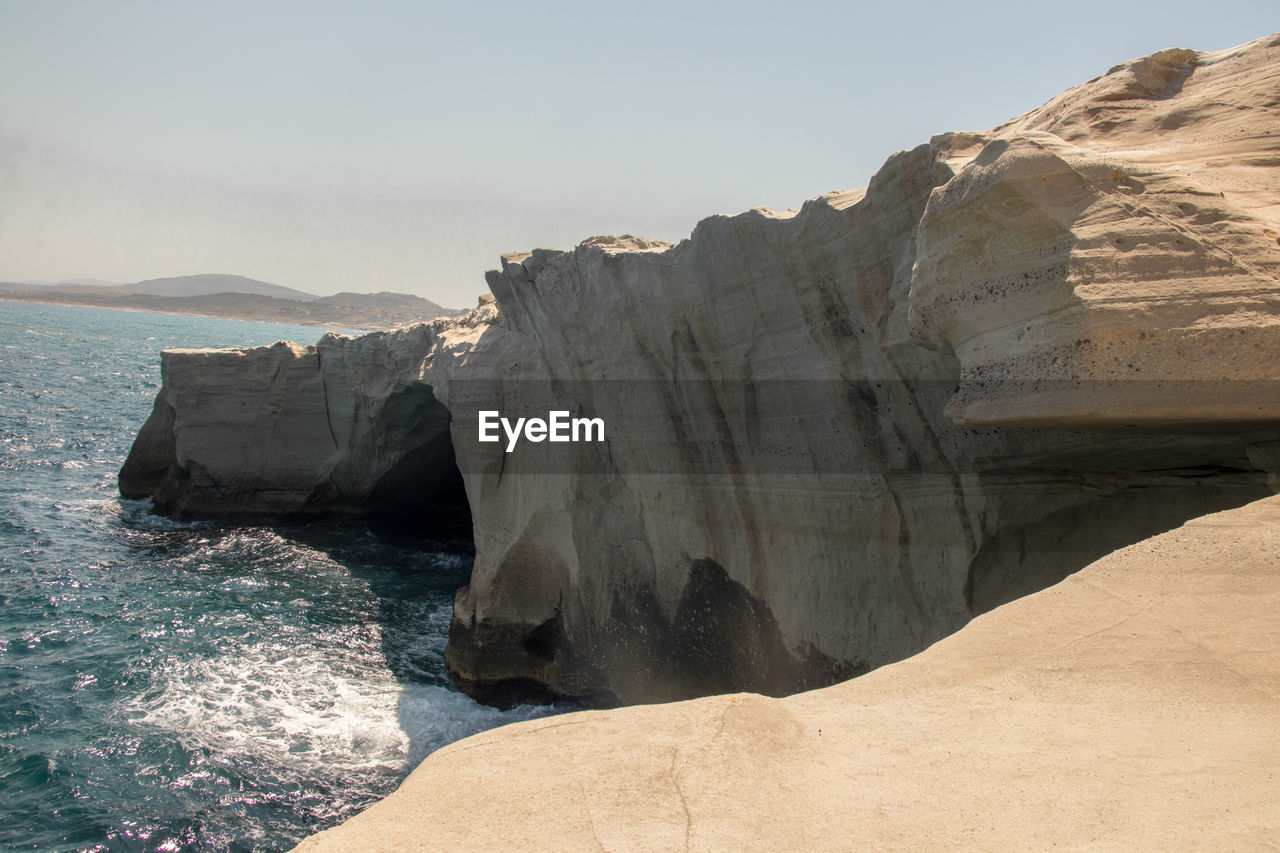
798 506
342 427
834 435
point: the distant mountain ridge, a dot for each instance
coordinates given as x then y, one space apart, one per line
236 297
207 284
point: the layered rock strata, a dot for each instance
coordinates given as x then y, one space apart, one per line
833 435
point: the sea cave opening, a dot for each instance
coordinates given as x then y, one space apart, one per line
422 495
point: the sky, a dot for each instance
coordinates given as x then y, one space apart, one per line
405 145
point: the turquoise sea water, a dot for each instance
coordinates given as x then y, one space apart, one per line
170 686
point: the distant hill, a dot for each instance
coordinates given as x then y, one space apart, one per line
190 295
210 283
387 301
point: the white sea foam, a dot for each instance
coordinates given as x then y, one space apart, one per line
284 704
294 705
437 716
138 514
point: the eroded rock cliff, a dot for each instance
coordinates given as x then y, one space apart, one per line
833 435
339 428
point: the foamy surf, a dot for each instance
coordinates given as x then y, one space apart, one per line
287 706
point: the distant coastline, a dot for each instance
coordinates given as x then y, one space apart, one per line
349 311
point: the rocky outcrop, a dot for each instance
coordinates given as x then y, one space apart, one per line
833 435
1134 705
339 428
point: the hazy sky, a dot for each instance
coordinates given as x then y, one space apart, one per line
406 145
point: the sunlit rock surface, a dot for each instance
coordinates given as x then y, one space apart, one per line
834 435
810 494
1112 258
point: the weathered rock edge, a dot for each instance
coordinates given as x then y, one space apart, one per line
1039 344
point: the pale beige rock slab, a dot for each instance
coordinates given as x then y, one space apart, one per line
1111 259
1135 705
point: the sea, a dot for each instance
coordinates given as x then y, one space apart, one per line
172 686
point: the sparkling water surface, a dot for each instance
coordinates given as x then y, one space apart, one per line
168 686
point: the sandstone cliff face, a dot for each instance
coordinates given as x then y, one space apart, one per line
834 434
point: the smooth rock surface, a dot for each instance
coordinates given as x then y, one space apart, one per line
1135 705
